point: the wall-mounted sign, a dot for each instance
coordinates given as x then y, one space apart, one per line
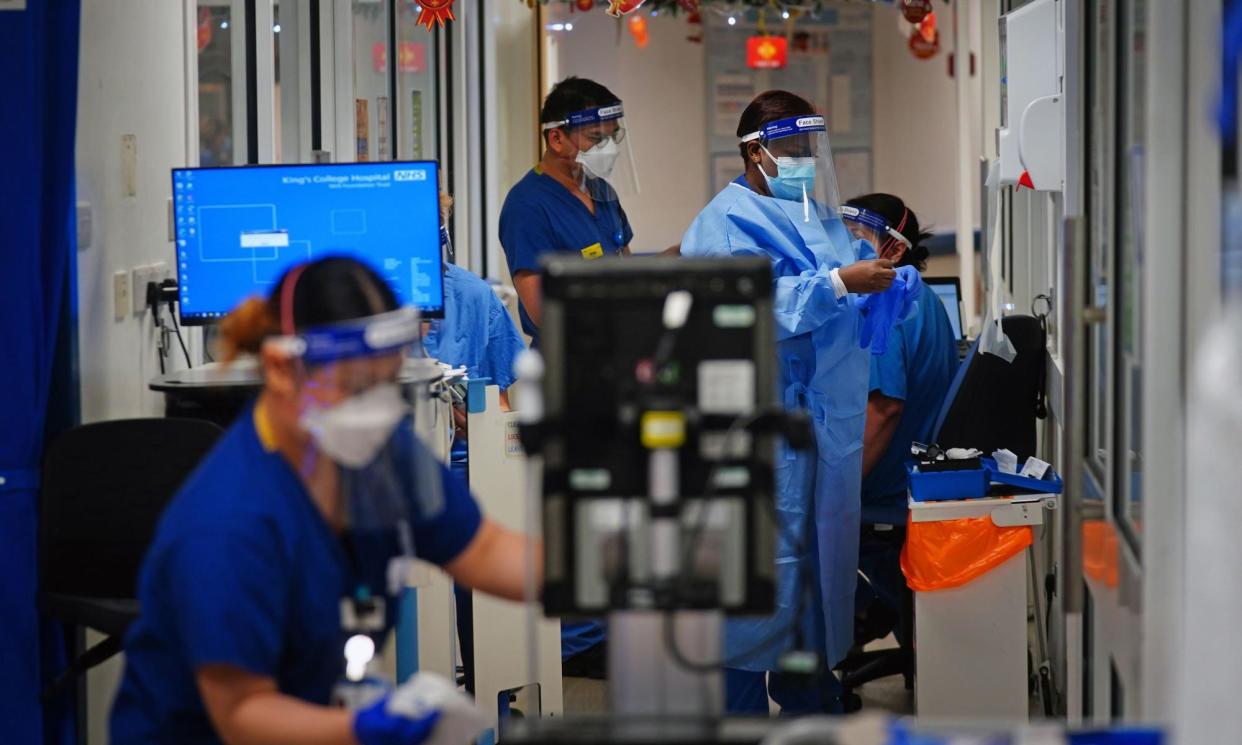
767 52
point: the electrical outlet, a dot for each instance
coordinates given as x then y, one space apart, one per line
120 295
143 275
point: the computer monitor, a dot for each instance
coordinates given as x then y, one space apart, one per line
949 290
238 229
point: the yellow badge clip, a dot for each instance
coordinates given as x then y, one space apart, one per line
593 251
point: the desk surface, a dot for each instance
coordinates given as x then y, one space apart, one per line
244 375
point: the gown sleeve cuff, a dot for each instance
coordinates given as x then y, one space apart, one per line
837 284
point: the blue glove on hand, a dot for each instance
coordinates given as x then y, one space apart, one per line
375 725
882 311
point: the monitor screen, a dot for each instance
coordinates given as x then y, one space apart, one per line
238 229
950 294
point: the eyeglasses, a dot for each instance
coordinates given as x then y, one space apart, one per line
617 136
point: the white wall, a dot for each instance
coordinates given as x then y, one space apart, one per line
663 89
915 123
131 82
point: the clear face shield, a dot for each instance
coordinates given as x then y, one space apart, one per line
870 226
359 409
604 161
795 159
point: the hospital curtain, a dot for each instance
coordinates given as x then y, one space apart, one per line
38 110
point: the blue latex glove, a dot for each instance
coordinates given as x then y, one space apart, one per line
882 311
374 725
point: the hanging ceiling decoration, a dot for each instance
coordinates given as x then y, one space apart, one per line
435 11
619 8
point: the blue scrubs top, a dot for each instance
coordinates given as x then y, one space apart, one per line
476 333
540 216
245 571
918 368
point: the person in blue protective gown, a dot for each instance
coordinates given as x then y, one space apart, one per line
293 519
570 202
909 381
784 207
476 333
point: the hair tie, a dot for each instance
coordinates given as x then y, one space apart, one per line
286 298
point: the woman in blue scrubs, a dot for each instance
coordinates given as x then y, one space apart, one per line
277 539
909 382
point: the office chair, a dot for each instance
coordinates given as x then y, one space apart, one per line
990 404
104 487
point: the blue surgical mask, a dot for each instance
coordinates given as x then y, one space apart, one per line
794 179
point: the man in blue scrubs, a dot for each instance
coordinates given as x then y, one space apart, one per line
908 385
569 202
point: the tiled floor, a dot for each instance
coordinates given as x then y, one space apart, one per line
583 696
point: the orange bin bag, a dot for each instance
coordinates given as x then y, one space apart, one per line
947 554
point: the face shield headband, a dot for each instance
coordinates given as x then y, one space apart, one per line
365 337
793 125
588 116
876 223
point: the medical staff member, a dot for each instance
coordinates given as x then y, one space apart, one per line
281 540
570 202
476 332
909 382
785 207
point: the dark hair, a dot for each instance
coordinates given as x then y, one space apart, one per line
768 107
574 94
327 290
894 211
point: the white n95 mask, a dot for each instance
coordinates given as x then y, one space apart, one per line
354 431
599 160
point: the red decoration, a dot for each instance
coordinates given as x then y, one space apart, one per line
766 52
618 8
206 29
925 39
411 57
584 5
690 6
638 29
436 11
915 10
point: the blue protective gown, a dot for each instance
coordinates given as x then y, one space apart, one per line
824 370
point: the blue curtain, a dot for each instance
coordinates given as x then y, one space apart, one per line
38 112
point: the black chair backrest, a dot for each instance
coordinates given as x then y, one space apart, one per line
104 487
993 404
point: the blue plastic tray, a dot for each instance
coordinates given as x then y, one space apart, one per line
940 485
976 484
1050 484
